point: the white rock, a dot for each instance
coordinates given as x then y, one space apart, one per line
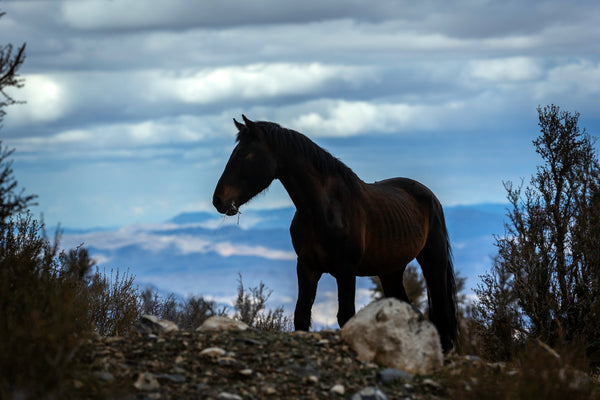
222 323
146 381
153 324
228 396
213 352
370 393
391 333
338 389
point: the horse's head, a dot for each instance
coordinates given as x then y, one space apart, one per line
250 170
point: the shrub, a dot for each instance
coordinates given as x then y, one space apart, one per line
545 281
43 317
250 309
114 305
188 314
535 372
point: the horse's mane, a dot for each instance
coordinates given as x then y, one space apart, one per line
287 141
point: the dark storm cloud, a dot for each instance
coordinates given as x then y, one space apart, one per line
155 81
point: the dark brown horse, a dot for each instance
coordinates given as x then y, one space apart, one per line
344 226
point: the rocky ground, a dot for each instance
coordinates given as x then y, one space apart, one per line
258 365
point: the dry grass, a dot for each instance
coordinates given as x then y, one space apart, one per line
537 371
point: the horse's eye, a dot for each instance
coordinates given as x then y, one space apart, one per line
245 154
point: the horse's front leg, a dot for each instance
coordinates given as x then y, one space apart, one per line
346 284
307 290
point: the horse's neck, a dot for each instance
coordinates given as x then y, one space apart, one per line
303 186
312 191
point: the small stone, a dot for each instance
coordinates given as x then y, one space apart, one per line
248 341
222 323
226 361
228 396
172 377
338 389
369 393
432 383
151 324
246 372
104 376
213 352
473 359
269 390
146 381
392 374
313 379
179 370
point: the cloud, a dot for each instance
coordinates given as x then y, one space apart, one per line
227 249
120 139
581 76
125 89
325 309
511 69
156 238
338 118
255 81
179 14
47 96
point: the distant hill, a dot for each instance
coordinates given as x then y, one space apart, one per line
202 253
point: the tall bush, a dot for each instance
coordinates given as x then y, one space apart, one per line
545 282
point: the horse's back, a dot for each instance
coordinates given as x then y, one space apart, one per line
413 188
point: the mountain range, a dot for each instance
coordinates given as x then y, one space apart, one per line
203 253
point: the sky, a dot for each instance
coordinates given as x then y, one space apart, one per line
129 104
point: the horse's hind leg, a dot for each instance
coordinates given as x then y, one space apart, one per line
437 269
393 285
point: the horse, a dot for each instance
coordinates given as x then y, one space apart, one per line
342 225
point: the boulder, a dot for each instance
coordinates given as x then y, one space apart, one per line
392 333
222 323
153 324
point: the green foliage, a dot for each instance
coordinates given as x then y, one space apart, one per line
545 282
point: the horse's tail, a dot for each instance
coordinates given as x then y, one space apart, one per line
436 262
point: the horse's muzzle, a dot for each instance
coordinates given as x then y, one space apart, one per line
227 208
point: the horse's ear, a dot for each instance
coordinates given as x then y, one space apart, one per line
254 130
247 121
238 125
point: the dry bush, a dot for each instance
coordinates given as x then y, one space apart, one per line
188 314
537 372
43 318
196 310
545 281
113 302
250 306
